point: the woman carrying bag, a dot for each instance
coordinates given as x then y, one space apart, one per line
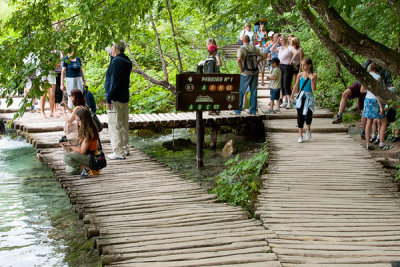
78 160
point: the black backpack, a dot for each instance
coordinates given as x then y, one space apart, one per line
210 65
250 61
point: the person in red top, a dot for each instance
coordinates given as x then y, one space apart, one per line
78 157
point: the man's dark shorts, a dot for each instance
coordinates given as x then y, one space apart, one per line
355 89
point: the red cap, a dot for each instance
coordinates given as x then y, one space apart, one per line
212 48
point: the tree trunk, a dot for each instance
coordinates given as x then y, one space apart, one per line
173 33
339 74
160 52
344 58
342 33
204 23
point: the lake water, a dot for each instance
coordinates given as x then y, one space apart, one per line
38 226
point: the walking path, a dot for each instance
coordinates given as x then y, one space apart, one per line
328 202
142 213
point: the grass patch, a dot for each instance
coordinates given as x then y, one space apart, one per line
351 117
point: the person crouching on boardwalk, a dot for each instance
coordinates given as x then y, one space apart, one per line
306 81
78 158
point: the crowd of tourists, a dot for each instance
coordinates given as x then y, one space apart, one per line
291 75
69 97
293 81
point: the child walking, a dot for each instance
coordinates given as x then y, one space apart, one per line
274 86
306 81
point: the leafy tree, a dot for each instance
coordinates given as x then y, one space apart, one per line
333 24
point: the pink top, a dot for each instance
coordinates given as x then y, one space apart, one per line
296 60
285 55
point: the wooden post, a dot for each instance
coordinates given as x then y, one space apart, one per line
213 138
199 139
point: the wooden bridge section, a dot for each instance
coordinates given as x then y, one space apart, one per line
141 213
327 201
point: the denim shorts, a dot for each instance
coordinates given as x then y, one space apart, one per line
275 94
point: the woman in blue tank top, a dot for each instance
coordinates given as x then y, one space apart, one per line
306 83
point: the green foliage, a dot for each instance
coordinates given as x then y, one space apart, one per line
351 117
239 183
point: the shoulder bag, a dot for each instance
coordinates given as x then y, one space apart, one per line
97 161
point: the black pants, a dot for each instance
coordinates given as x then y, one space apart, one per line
286 79
301 118
58 93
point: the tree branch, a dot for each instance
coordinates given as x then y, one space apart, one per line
132 57
342 33
160 52
339 74
344 58
162 83
173 33
204 22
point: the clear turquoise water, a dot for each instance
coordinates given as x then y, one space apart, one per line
38 226
185 160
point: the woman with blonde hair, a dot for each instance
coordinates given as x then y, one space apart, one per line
298 55
285 55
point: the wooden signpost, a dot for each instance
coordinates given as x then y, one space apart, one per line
206 92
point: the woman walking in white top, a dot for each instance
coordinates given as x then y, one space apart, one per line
285 55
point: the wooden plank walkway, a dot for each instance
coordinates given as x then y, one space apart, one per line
141 213
328 202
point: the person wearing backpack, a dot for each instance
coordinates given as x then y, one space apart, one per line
211 64
247 61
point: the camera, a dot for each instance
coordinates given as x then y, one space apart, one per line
63 139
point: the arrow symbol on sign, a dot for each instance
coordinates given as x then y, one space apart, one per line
190 79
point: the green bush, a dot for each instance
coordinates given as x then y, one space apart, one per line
239 183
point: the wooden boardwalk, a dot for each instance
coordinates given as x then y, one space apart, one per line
141 213
323 203
328 202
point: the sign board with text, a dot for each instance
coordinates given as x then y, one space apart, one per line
197 91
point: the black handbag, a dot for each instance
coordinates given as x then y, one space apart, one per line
97 161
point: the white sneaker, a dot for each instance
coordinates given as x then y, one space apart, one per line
284 104
115 156
308 135
289 106
300 140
